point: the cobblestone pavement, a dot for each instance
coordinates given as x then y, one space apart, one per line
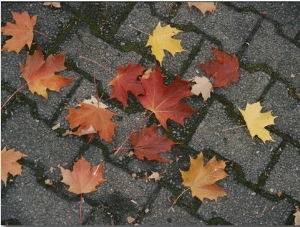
264 179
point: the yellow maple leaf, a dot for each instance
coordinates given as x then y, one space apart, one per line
201 179
162 40
257 121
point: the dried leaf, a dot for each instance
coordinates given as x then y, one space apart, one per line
92 117
162 39
164 101
155 176
9 163
52 4
204 6
21 32
127 80
257 121
297 216
40 74
147 144
201 179
83 178
203 86
224 69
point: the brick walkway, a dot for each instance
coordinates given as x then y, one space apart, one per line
264 179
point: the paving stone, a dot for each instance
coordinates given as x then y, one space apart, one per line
242 207
288 19
285 107
287 169
252 154
281 59
161 213
32 204
230 27
40 143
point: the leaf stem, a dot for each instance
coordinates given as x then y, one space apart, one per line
132 131
227 129
139 30
47 37
98 64
175 201
96 90
80 209
24 85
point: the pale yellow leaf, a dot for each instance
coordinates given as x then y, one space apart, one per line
204 6
257 121
203 86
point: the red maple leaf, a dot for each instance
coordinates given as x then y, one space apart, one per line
225 69
164 101
147 144
126 81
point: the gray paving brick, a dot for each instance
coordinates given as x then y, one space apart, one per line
288 170
267 47
245 207
252 154
161 213
288 19
31 204
285 107
232 29
42 145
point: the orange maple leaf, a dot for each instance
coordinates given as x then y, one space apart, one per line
9 163
201 179
40 74
92 117
225 69
83 179
164 101
21 32
147 144
126 81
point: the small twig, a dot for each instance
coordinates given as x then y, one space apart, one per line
139 30
132 131
80 209
175 201
98 64
24 85
47 37
223 130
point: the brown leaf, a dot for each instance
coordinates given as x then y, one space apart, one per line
92 117
201 179
9 163
40 74
147 144
83 179
225 69
164 101
21 32
126 81
52 4
204 6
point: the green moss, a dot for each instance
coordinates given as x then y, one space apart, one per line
218 221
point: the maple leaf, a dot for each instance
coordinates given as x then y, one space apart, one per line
92 117
203 86
225 69
164 101
203 6
257 121
202 179
126 81
147 144
40 74
297 216
9 163
83 178
21 32
162 40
